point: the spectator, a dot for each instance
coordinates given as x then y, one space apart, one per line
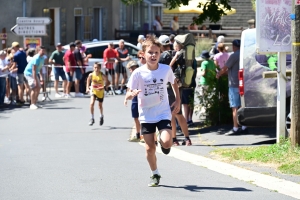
123 57
30 54
193 25
79 70
140 40
232 66
157 24
172 40
203 27
220 39
141 58
32 71
221 57
56 59
20 62
4 71
174 25
110 56
12 76
70 62
207 72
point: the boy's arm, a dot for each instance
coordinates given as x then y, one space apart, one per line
88 81
177 102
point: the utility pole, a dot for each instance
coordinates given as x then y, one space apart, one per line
295 84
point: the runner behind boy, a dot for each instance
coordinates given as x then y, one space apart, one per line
149 83
97 89
131 66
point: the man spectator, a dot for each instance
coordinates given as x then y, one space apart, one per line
20 62
110 55
166 58
174 25
4 71
232 66
120 65
31 72
70 62
79 71
157 25
56 59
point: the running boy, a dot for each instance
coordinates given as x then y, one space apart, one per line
149 84
97 88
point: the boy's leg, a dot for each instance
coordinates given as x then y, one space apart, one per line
92 120
183 125
165 130
101 110
150 150
173 124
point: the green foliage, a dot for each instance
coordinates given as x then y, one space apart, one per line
253 4
203 44
215 101
283 154
211 10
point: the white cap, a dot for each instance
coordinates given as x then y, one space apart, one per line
141 37
164 40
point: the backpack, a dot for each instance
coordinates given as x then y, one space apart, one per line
186 61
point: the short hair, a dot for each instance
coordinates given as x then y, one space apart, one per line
8 50
38 48
221 46
149 42
78 42
139 52
72 44
98 64
121 41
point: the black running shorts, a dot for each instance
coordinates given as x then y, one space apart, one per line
120 69
110 72
148 128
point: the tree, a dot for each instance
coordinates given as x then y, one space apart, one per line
211 10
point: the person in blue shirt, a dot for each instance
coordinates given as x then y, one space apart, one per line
20 62
32 71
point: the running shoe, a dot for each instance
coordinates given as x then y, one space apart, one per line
68 96
165 151
92 121
118 91
134 139
154 180
79 95
187 142
33 107
6 100
57 95
142 140
101 120
44 98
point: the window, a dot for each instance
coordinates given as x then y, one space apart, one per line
131 51
97 52
78 12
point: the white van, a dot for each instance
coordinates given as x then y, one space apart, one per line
258 95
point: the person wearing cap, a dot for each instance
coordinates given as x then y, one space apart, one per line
131 66
207 72
4 71
140 40
20 63
33 73
79 70
110 55
70 63
57 61
98 80
232 66
166 58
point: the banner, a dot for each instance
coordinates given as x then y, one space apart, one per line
33 42
273 26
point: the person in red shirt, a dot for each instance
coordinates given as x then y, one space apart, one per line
70 62
110 55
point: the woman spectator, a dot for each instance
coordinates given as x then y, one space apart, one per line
220 39
221 57
140 40
4 71
174 25
193 25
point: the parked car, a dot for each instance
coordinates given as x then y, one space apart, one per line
258 94
96 49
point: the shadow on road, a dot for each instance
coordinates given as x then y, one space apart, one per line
111 128
195 188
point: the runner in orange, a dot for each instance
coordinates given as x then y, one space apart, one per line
97 91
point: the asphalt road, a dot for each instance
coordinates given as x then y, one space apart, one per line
52 153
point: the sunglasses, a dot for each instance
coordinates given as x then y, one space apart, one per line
141 57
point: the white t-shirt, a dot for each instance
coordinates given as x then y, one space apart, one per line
139 46
174 25
153 101
3 64
157 25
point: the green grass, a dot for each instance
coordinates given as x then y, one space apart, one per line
282 155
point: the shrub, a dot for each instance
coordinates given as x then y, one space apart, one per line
203 44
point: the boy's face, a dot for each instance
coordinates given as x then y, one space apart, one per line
96 68
152 54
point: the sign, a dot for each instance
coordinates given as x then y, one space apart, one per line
3 36
273 28
33 20
29 30
33 42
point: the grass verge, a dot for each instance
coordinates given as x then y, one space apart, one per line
282 155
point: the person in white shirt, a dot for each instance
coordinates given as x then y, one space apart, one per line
140 40
4 71
149 84
157 24
174 25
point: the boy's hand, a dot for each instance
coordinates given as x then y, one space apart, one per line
135 93
176 107
87 90
125 102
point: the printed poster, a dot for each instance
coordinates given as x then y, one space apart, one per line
33 42
273 26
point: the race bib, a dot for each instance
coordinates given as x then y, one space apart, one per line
149 101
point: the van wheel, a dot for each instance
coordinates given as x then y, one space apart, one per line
288 123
